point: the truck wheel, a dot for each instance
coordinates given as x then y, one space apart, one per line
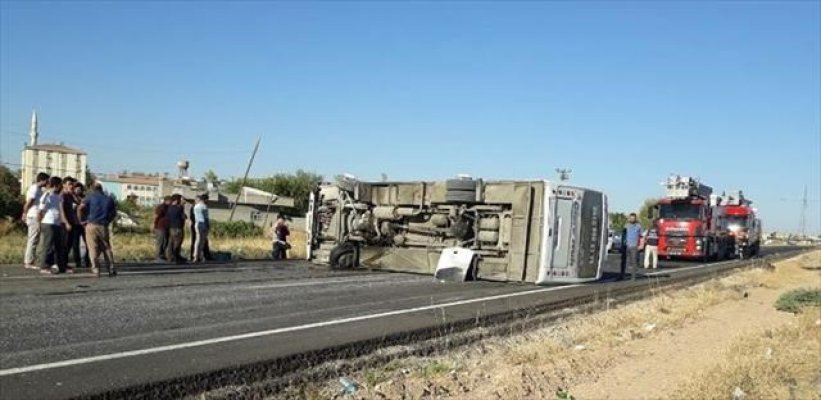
460 196
344 255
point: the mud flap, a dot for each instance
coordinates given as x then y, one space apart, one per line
454 264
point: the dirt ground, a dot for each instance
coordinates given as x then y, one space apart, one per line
721 339
655 367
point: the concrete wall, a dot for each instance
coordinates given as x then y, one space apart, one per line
244 213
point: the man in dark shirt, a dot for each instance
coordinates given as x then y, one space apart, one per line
281 233
175 214
71 240
98 209
161 229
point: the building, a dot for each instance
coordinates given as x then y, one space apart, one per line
53 159
144 190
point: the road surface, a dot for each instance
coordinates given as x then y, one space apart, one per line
66 336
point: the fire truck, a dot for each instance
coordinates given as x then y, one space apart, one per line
688 222
739 220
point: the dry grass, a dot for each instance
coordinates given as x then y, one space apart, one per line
784 363
542 363
777 364
131 247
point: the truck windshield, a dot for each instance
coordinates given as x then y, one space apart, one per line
680 211
734 221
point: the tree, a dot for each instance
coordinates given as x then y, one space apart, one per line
297 185
645 220
11 203
617 221
211 176
89 178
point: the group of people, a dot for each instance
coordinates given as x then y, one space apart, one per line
62 221
169 230
636 240
67 223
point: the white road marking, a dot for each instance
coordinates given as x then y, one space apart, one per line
251 335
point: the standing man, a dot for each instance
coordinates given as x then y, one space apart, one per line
30 217
201 226
651 247
161 229
206 251
281 233
176 225
51 229
97 210
632 236
71 239
79 195
111 217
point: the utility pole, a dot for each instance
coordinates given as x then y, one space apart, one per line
804 214
244 178
564 173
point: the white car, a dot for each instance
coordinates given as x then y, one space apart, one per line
123 220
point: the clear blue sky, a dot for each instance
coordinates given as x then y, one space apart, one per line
623 93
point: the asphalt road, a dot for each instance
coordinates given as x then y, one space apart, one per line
73 335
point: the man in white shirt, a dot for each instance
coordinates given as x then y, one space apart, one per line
30 218
51 256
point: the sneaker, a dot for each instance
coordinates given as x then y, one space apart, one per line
112 272
45 270
31 266
95 272
69 270
55 270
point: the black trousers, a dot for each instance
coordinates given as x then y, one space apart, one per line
71 241
279 251
52 247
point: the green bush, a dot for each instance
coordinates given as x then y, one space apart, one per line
794 300
234 229
11 201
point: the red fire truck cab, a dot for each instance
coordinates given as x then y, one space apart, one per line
738 218
688 224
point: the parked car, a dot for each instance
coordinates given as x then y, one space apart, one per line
614 242
124 220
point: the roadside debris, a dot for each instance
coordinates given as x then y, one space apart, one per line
348 386
739 394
